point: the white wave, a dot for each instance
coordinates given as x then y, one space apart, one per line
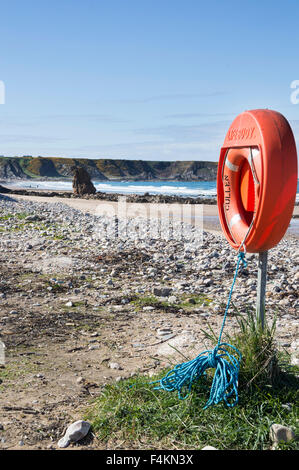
124 188
153 189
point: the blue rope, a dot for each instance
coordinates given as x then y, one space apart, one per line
227 365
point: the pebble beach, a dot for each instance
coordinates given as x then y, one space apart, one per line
88 298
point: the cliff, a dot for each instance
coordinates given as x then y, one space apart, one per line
28 167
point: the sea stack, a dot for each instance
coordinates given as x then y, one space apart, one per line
82 183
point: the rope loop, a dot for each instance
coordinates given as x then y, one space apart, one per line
225 363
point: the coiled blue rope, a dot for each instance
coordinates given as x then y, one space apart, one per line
227 365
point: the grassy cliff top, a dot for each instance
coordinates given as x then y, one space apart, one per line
105 168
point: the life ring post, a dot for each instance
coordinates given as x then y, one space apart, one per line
261 288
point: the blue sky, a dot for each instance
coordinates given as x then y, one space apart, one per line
147 79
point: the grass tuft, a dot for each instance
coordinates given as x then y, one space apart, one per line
132 415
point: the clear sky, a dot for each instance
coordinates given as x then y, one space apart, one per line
146 79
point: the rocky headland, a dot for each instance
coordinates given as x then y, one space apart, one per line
104 169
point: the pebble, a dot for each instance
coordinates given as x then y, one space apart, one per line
39 376
279 433
162 291
163 331
287 406
74 433
115 365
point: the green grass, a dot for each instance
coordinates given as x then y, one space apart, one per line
132 415
19 216
15 370
6 217
151 300
139 417
190 301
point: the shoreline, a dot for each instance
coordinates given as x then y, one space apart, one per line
114 197
107 196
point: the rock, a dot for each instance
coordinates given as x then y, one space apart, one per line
167 337
82 183
33 218
162 291
294 361
74 433
138 345
39 376
164 331
279 433
115 365
287 406
69 304
4 190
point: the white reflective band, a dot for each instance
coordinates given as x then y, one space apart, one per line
235 218
231 166
255 152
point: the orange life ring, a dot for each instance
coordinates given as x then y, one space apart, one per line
257 180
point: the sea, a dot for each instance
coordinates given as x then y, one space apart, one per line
172 188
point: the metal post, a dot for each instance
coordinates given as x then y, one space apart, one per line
261 287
